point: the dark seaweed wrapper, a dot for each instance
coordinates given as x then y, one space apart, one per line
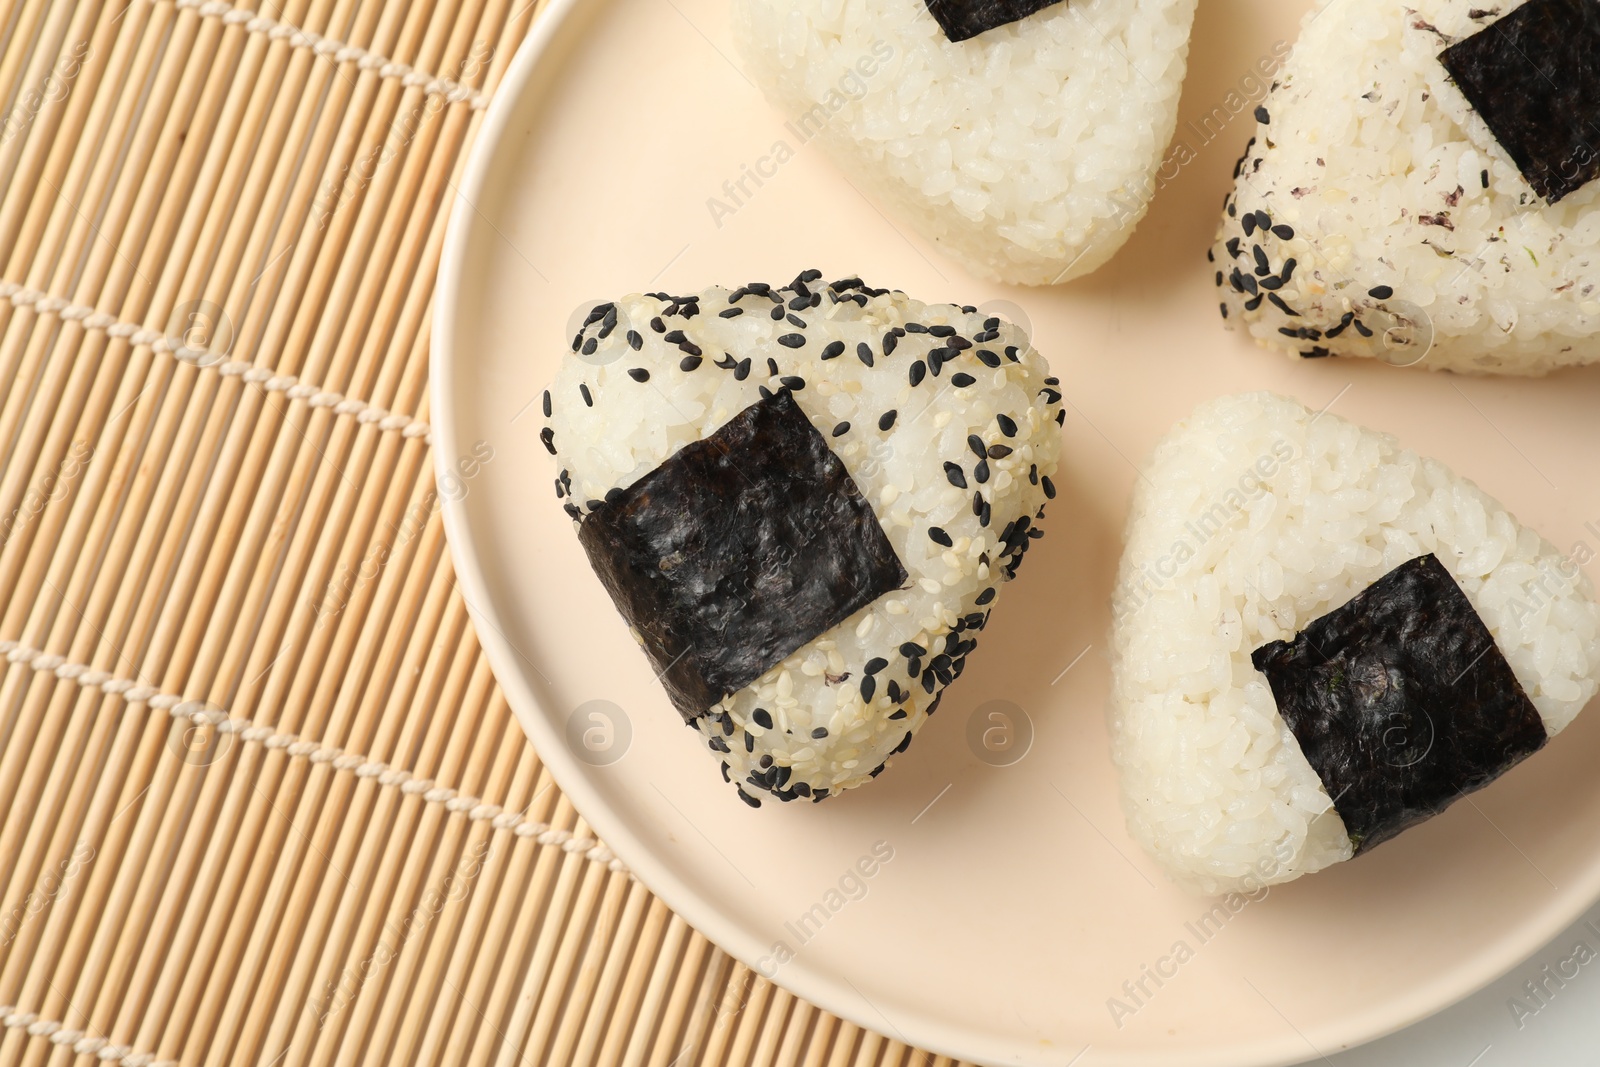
1401 701
737 550
1534 76
965 19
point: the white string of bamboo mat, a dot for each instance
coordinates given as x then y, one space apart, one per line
84 1044
338 51
287 384
202 714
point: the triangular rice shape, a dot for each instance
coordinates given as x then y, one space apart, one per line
1375 214
1028 152
804 500
1256 517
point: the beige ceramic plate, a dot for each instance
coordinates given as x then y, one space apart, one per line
1014 907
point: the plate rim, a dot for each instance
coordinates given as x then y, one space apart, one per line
550 29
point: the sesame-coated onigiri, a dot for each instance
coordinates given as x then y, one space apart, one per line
1421 189
804 500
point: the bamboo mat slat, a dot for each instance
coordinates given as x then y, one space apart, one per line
261 799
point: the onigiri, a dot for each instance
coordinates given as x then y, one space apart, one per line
1020 137
804 500
1421 189
1320 639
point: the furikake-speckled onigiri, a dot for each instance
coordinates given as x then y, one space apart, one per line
804 500
1321 639
1421 189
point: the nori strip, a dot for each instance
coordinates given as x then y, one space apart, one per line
964 19
1534 76
737 550
1401 701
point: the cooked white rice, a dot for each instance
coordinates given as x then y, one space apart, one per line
1025 152
1257 517
1379 166
895 438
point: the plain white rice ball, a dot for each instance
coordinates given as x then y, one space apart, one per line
1026 153
1256 517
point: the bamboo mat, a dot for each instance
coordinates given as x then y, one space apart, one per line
261 800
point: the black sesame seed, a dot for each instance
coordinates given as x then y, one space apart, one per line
749 742
1382 292
639 374
589 346
746 797
1283 233
886 420
981 471
834 350
983 519
657 325
999 451
875 664
911 648
1250 225
890 340
1007 425
762 718
1362 328
936 357
796 321
869 688
961 379
1049 487
792 340
988 358
548 436
689 363
792 382
841 429
977 503
905 743
942 331
975 443
547 408
777 313
864 353
676 337
731 313
819 733
1262 116
939 537
1277 301
1263 266
588 397
742 370
900 713
772 367
985 597
957 476
1484 177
